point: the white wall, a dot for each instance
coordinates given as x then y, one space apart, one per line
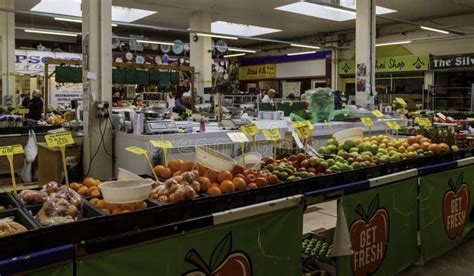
309 68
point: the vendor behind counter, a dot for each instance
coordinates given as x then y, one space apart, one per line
182 102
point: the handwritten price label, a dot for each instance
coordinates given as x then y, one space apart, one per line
237 137
401 101
272 134
137 150
59 139
303 130
424 122
11 150
189 112
164 144
367 121
377 113
250 129
393 125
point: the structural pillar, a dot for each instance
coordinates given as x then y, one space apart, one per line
201 52
365 52
97 86
7 53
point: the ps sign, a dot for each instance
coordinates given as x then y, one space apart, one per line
30 62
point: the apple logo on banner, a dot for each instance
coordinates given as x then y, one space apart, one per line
369 238
223 261
455 207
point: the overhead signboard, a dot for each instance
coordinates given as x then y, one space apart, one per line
452 61
390 64
263 71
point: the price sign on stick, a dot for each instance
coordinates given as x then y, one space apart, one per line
394 126
239 137
424 122
164 145
9 151
303 130
368 122
251 130
140 151
377 113
273 135
401 101
60 140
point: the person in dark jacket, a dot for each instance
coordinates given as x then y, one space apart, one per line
36 106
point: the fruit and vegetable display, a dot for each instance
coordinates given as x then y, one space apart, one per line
115 209
8 226
64 206
316 247
183 186
30 197
88 187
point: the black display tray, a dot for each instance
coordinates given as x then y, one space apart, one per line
21 243
91 225
24 130
7 201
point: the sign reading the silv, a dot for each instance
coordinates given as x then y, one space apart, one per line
447 62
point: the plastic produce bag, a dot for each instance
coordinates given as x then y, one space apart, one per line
177 189
31 151
61 207
8 226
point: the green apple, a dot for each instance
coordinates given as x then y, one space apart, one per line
332 141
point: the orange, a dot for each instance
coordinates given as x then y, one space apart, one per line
227 187
239 183
205 183
75 186
213 176
116 211
111 206
128 207
215 185
83 190
89 181
201 169
106 211
101 204
175 165
225 175
178 173
95 193
97 182
158 169
186 166
166 173
94 201
214 191
141 205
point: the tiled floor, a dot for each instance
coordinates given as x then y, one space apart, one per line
457 262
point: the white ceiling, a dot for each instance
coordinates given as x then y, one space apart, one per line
176 14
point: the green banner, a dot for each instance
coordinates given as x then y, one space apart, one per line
390 64
445 210
66 268
382 228
264 245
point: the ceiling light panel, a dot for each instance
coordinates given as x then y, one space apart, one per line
329 13
222 27
73 8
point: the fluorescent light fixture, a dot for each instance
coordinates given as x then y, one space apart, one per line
75 20
229 28
301 53
393 43
339 9
434 30
328 12
217 36
305 46
51 32
73 8
235 55
241 50
155 42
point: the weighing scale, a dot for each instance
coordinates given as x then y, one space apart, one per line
156 127
235 123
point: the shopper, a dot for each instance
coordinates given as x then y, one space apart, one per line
268 98
138 102
35 106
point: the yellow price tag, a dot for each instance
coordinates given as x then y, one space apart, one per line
237 137
250 129
136 150
189 112
162 144
470 119
401 101
272 134
23 111
59 139
367 121
393 125
303 131
11 150
140 151
377 113
424 122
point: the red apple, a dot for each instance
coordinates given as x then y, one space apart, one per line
369 240
455 208
252 185
238 169
304 164
236 264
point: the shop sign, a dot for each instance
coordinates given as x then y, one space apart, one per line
32 62
64 93
263 71
450 62
390 64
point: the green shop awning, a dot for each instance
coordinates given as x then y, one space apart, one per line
68 74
